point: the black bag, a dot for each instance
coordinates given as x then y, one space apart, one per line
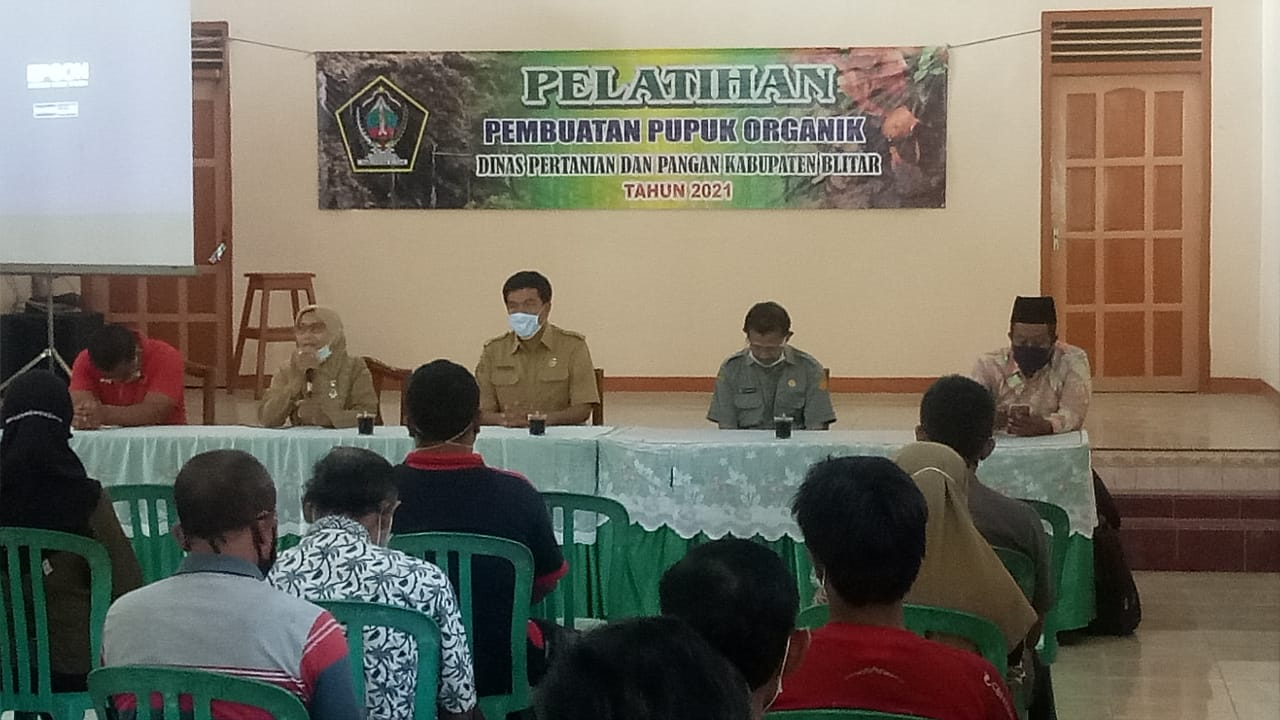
1119 609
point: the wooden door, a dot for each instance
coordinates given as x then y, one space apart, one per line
1127 198
193 313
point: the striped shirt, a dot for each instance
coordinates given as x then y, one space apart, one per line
217 614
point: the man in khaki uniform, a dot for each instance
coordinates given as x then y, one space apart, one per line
536 367
770 378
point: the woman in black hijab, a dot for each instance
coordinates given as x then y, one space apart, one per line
43 485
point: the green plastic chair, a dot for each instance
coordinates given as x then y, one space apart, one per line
357 615
155 547
25 673
201 686
561 605
1060 524
925 620
1021 568
453 553
838 714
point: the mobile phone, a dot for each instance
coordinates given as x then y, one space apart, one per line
1019 411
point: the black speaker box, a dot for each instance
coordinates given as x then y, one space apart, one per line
23 336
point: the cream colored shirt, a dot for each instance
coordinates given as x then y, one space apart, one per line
1058 392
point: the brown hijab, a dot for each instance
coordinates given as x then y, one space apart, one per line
332 323
960 570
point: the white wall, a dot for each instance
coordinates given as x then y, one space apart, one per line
1269 267
872 293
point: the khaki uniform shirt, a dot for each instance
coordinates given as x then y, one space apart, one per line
749 396
548 372
342 384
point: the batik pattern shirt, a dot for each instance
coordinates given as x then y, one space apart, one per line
1058 392
337 560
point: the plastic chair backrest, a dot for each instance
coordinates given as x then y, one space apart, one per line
561 604
453 553
357 616
838 714
985 635
925 620
25 673
1021 568
201 686
1060 524
154 545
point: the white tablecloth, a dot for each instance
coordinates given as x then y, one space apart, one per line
742 482
563 459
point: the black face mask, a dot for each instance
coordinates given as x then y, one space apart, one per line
265 564
1031 359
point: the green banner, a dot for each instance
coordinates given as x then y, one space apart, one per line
846 128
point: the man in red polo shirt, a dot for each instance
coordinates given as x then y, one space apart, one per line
123 378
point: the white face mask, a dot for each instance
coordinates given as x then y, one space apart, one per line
757 360
324 352
781 669
380 538
525 325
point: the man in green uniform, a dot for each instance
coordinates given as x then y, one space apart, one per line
535 368
769 378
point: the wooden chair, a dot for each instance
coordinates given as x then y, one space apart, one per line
597 412
386 377
205 374
263 284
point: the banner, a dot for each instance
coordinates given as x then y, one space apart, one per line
846 128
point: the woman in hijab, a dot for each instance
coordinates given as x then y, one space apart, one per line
43 485
960 570
322 385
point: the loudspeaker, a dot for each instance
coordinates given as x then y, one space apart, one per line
23 336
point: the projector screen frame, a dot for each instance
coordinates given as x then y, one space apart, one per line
76 269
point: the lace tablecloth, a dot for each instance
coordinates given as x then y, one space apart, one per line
563 459
742 482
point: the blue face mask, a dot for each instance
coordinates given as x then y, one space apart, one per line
524 324
324 353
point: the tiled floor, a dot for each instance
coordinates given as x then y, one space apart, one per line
1208 649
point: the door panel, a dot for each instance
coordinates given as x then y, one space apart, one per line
1127 162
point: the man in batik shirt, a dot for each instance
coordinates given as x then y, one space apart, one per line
1041 384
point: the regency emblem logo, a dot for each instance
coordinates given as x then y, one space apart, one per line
382 128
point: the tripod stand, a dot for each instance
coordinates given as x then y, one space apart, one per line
50 353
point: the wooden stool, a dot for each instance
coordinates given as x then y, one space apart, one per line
265 284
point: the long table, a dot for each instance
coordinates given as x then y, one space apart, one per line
679 486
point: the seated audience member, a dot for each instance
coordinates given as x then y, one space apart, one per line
322 385
446 487
122 378
44 486
864 524
535 367
1041 384
655 668
960 570
769 378
741 598
959 413
350 501
216 613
